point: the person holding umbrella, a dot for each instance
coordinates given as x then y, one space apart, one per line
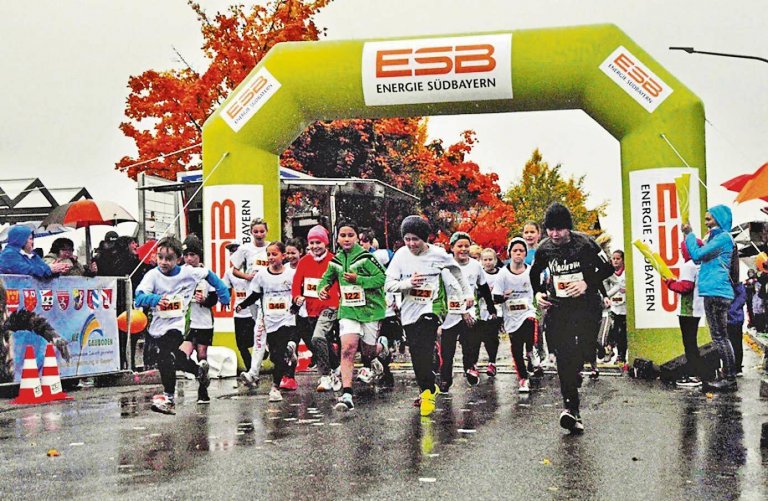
19 258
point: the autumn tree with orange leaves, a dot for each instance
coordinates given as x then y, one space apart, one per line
165 110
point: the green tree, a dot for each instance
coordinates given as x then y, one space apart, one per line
541 185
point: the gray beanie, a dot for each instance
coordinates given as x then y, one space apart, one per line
417 226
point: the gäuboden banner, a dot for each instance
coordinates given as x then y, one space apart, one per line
81 323
656 220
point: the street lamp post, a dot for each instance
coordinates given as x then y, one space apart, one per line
691 50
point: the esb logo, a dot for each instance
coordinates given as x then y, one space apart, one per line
250 97
431 70
637 80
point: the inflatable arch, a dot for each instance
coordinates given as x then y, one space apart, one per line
658 122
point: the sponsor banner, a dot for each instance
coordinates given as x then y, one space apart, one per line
637 80
655 219
254 94
86 331
228 210
437 70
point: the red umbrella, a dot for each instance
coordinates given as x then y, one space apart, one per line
87 213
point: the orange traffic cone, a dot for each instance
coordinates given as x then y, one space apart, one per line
29 389
50 379
304 357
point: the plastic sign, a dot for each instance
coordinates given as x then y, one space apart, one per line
636 79
249 98
434 70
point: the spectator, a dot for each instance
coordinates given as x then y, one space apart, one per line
736 321
104 256
19 258
749 287
715 285
63 251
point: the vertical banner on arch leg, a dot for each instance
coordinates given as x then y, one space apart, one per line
656 220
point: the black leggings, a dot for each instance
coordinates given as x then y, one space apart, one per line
522 338
572 333
735 335
619 334
244 338
488 334
421 342
689 327
278 342
303 332
171 358
470 347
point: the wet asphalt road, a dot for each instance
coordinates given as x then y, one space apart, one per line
643 440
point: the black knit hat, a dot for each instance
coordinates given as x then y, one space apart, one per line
417 226
192 244
558 217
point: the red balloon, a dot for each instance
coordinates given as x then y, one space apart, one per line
138 321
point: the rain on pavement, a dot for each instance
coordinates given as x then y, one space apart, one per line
643 440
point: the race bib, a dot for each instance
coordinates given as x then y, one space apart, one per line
258 264
618 298
421 295
174 309
277 305
352 295
562 281
240 296
515 305
455 305
311 287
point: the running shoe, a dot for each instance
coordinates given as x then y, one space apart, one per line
364 375
688 382
377 369
490 369
275 395
289 384
427 403
473 377
569 419
524 386
336 382
538 371
202 395
594 374
325 384
290 353
164 405
202 374
578 428
387 380
344 403
444 386
249 379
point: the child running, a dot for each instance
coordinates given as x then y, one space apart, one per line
513 289
321 313
460 321
169 289
200 334
488 326
244 322
273 288
294 250
415 271
361 280
247 261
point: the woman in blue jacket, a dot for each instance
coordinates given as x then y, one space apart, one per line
715 285
19 258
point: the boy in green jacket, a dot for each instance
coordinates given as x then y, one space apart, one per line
361 308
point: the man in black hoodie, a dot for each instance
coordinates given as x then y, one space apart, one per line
577 267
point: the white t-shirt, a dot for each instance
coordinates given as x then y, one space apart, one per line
240 288
616 288
457 305
490 279
420 301
201 317
179 289
519 306
249 258
276 298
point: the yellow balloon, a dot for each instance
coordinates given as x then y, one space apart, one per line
138 321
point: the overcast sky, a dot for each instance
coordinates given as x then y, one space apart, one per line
66 64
